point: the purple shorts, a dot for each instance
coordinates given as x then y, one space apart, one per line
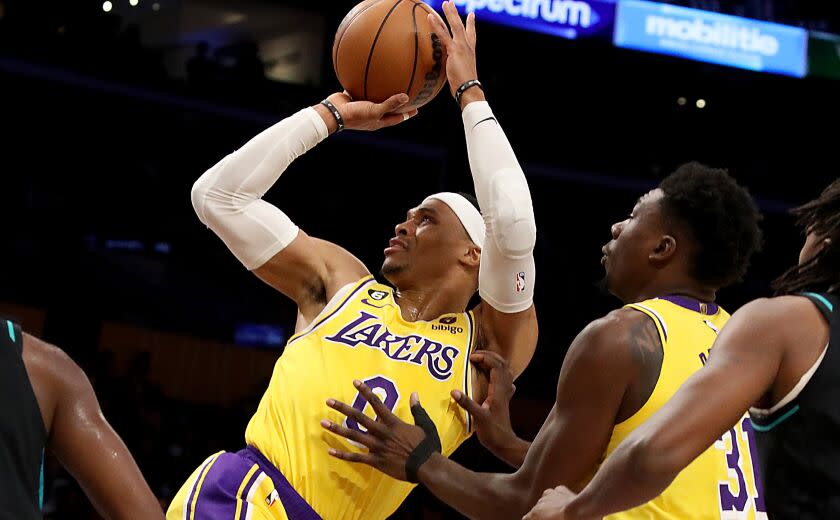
229 485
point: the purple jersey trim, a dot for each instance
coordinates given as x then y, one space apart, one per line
707 308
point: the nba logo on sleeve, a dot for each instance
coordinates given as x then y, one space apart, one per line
520 281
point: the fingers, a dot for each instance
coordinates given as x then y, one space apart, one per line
439 28
471 36
347 433
395 119
466 402
454 20
392 103
488 361
364 458
351 412
491 388
415 399
382 412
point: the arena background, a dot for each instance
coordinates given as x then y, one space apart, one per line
108 118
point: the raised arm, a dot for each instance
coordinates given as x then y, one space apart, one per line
83 440
745 361
228 199
567 449
506 317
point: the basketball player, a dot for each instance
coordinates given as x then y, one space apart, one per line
46 401
418 335
682 242
778 357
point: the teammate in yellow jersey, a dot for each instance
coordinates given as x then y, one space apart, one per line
417 336
682 242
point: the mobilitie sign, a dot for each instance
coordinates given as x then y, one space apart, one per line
711 37
566 18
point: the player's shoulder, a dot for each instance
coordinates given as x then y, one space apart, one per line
616 325
608 338
49 365
791 310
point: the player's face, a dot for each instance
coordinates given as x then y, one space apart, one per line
813 245
626 256
425 245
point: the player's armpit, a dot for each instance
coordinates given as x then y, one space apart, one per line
310 271
511 335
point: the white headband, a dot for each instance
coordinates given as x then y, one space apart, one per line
466 213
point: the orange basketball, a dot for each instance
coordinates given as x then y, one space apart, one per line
385 47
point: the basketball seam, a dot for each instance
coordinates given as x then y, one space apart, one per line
422 5
416 48
340 37
373 45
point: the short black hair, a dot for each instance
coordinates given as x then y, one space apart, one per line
721 217
822 272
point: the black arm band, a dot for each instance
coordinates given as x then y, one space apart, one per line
336 114
429 445
464 86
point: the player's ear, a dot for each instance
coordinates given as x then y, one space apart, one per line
472 256
665 249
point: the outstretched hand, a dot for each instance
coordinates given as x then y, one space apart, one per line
366 115
491 418
459 45
389 440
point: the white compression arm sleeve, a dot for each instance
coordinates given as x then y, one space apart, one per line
507 271
227 198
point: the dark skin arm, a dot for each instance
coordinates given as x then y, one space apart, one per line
769 343
595 377
82 439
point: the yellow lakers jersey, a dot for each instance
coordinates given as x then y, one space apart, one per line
724 481
362 335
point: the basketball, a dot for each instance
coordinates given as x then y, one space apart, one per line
387 47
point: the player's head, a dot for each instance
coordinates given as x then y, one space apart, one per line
819 259
439 242
699 228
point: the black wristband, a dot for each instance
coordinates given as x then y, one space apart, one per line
429 445
336 114
464 86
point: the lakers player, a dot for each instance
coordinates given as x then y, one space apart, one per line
46 402
682 242
779 357
416 336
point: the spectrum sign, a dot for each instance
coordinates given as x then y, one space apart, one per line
711 37
566 18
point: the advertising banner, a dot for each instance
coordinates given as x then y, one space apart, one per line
711 37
